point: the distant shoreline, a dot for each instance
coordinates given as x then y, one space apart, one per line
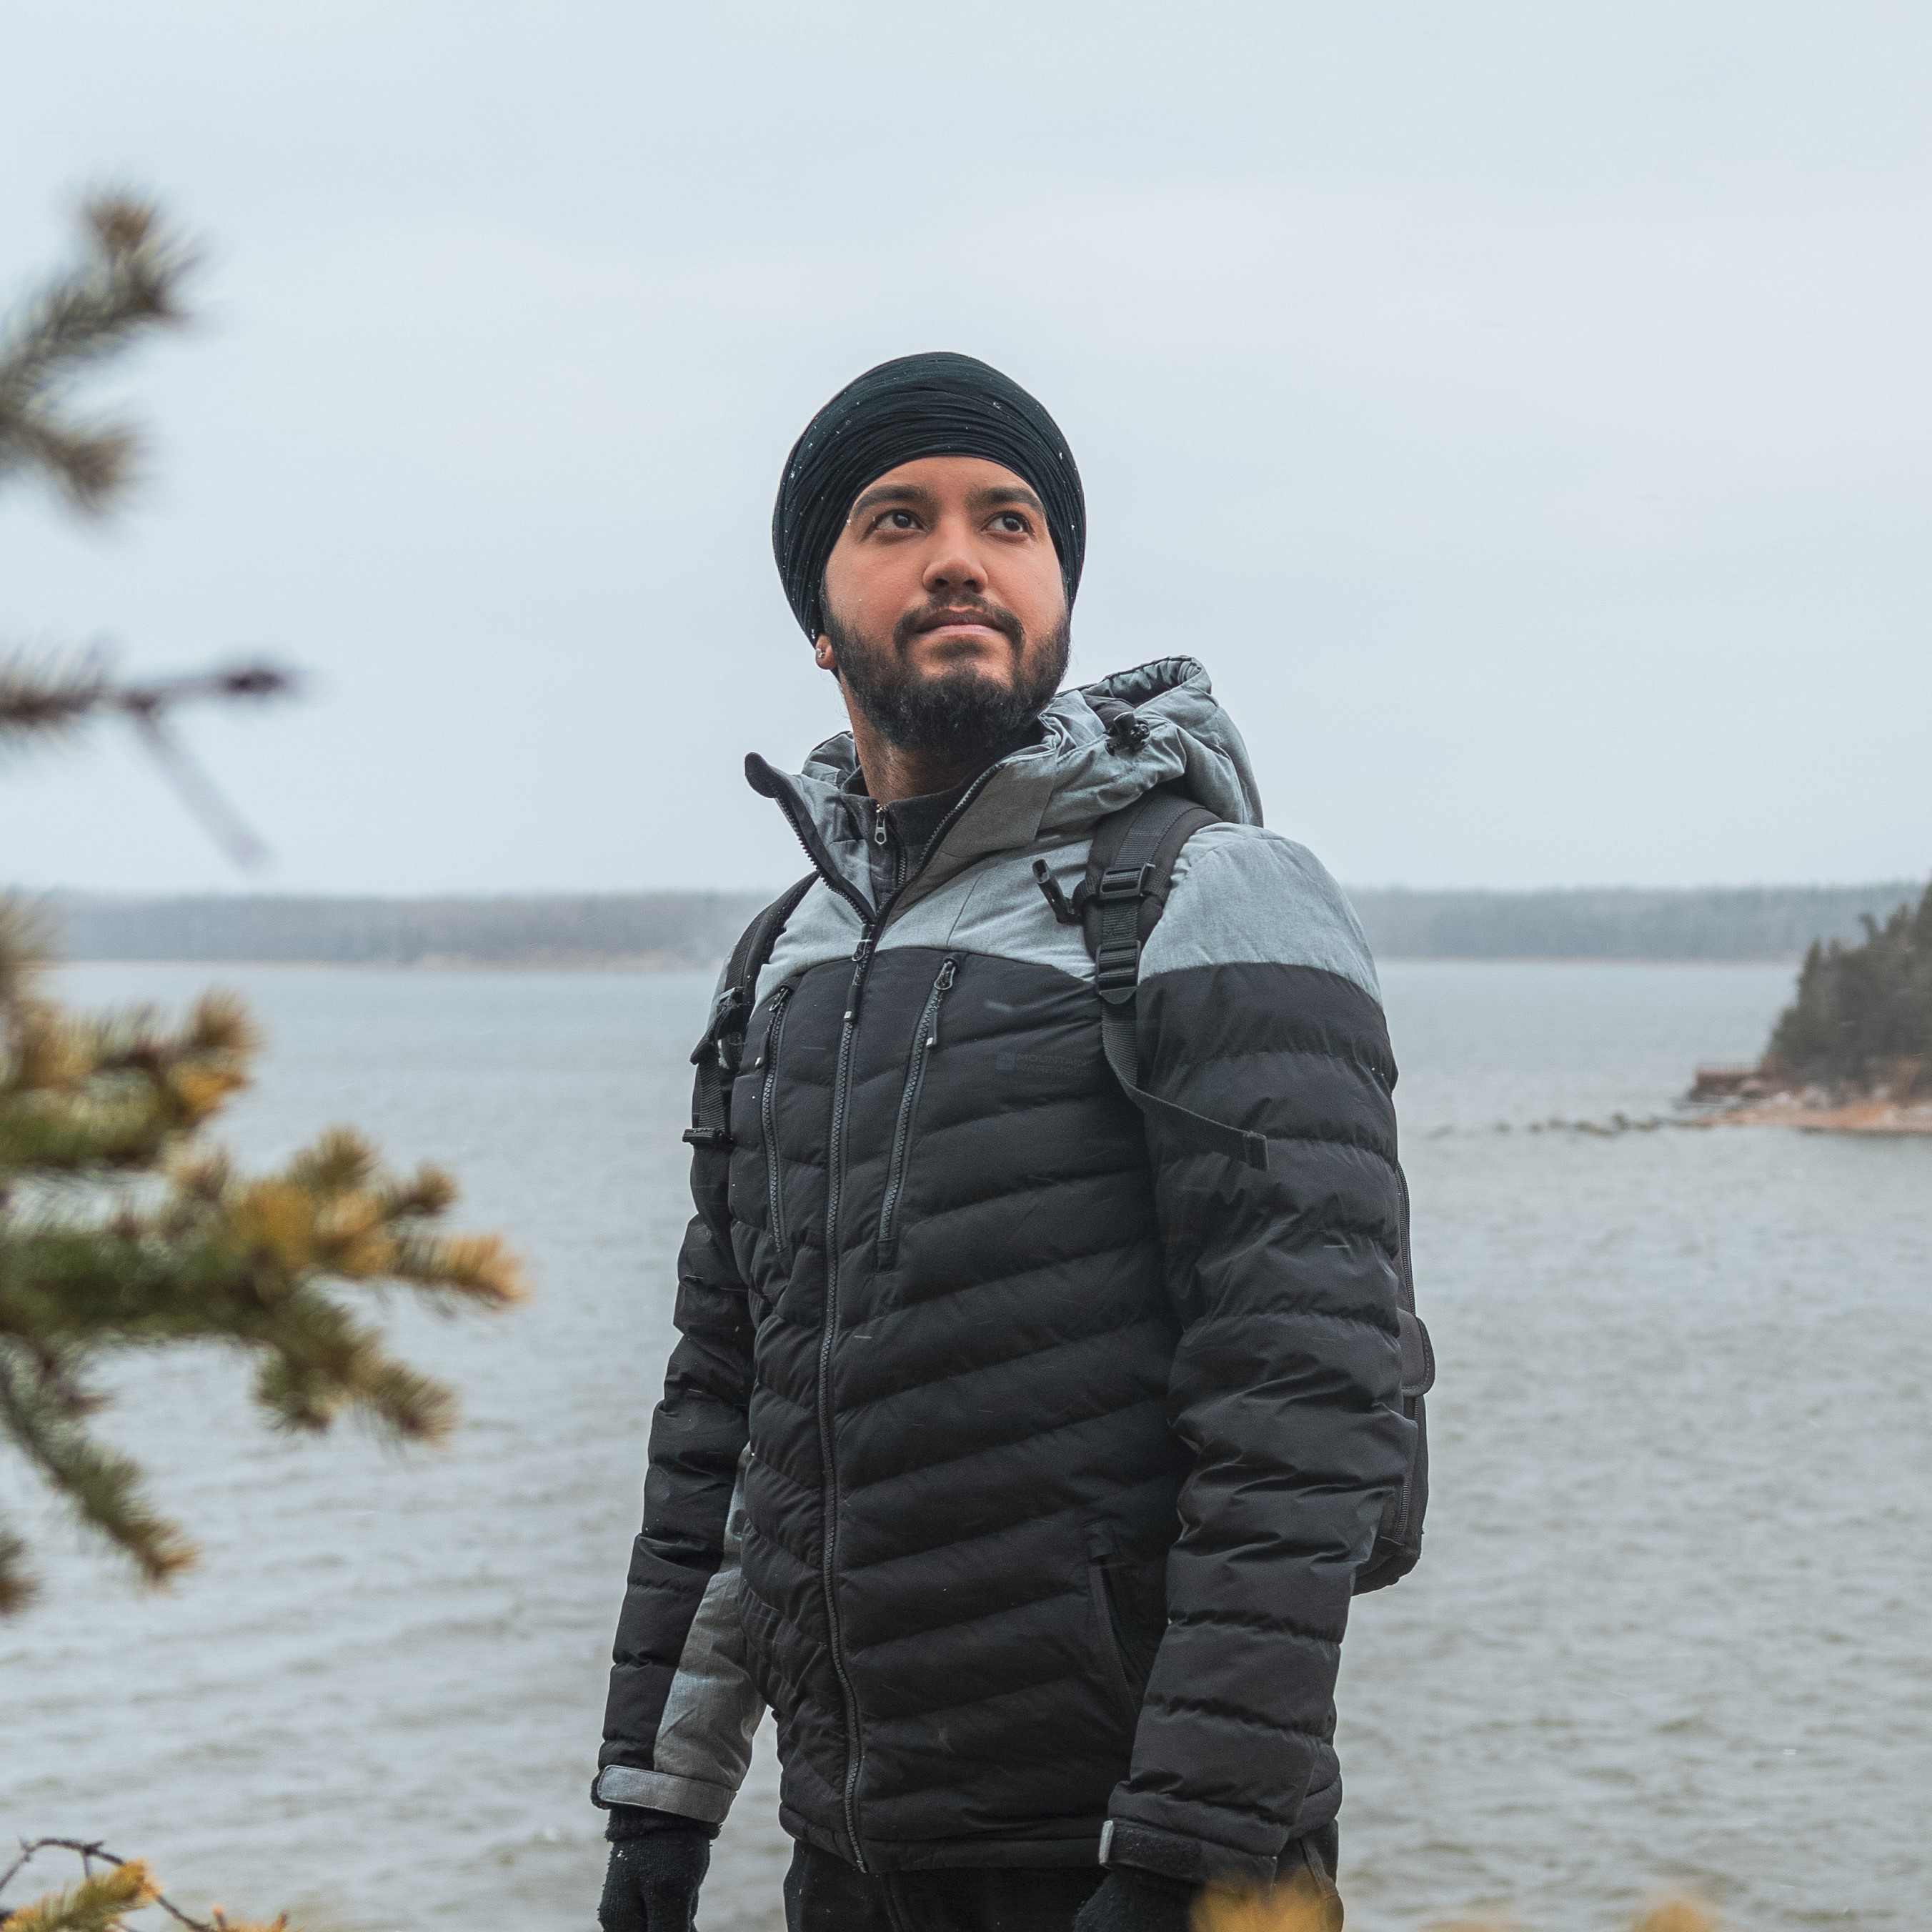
1874 1120
577 963
532 963
646 931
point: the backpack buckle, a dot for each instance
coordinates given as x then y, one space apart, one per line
733 1004
1116 970
1124 882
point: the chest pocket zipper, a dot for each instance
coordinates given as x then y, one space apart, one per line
923 1043
768 1120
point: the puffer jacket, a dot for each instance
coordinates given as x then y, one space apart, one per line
1018 1457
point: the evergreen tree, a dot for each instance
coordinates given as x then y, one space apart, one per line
1863 1014
121 1226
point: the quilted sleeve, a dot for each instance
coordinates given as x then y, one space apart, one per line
682 1709
1258 1007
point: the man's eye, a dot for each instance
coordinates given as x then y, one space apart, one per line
1011 522
898 519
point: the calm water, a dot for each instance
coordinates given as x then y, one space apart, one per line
1671 1628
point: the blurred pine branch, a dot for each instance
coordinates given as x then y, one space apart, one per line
103 1901
121 1227
127 285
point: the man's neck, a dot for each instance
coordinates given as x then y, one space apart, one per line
892 771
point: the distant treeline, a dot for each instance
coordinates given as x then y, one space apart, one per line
696 928
602 929
1620 923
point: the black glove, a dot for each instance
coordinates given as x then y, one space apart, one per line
658 1862
1132 1900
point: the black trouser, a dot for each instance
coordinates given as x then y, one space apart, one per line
824 1894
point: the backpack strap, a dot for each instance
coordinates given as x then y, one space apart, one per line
715 1056
1130 874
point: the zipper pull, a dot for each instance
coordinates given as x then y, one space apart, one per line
778 999
948 972
879 825
861 959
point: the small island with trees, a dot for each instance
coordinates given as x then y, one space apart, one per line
1852 1053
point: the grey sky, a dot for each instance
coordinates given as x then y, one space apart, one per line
1523 409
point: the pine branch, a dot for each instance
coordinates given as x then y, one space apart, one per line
47 701
46 696
23 953
191 1251
81 1097
41 1410
17 1589
118 1228
101 1903
126 286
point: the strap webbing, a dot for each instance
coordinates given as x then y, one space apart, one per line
715 1056
1130 873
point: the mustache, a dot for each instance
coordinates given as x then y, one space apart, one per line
952 608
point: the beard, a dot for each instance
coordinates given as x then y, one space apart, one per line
957 712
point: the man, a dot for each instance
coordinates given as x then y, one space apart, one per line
1039 1398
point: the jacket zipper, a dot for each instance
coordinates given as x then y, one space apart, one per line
872 919
834 1179
924 1041
768 1120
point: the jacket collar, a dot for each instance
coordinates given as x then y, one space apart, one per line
1054 788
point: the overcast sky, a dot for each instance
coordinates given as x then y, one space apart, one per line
1522 410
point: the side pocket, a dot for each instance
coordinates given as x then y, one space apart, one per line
768 1121
1109 1636
924 1042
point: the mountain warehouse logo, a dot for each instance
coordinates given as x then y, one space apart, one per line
1040 1063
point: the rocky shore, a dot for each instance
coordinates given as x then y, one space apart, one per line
1852 1053
1747 1096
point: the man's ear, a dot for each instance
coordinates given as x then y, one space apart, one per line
827 658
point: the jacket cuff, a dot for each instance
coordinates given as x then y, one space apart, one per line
1195 1861
659 1791
623 1822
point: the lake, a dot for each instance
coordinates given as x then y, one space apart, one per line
1672 1626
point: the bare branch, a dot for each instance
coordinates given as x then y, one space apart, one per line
48 698
48 694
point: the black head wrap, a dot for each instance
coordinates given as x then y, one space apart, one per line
938 404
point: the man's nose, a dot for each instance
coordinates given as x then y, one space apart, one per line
955 563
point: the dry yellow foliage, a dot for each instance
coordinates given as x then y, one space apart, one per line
100 1903
1677 1915
1300 1906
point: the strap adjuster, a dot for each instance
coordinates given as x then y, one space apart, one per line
733 1005
1124 882
1116 969
707 1137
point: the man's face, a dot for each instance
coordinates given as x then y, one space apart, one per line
946 610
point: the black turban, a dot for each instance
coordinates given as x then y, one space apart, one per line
939 404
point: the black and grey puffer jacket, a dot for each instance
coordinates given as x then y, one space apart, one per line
1018 1459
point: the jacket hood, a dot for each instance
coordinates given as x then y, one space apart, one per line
1074 773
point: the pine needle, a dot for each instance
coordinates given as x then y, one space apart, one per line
100 1903
127 285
